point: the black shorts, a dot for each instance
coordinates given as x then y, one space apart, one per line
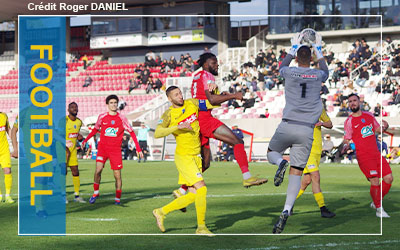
143 145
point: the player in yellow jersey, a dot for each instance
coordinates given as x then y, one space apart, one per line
181 121
311 171
73 127
5 158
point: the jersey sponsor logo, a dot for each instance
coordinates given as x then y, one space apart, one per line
312 166
367 131
373 172
190 119
112 132
2 128
309 76
73 135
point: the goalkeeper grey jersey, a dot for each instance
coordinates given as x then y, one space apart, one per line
302 92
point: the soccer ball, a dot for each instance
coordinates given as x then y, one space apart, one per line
308 36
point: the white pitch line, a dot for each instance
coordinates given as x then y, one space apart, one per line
96 219
326 245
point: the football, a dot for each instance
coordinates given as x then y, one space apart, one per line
308 36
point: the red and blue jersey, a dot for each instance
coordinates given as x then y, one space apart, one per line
361 130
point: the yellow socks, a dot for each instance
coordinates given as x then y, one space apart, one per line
8 183
319 198
77 183
201 205
179 203
301 191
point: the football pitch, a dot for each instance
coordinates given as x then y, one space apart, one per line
231 209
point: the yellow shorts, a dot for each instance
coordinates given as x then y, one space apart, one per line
312 163
5 160
73 158
189 168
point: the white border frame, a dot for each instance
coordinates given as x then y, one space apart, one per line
68 234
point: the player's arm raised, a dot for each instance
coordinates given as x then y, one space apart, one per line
218 99
318 52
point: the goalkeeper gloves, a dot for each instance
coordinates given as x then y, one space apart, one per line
296 39
318 46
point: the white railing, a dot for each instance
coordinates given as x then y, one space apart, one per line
257 43
386 50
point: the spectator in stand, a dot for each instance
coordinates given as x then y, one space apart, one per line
366 54
347 91
131 149
145 77
327 145
364 106
282 54
150 62
384 113
329 58
237 131
85 61
323 93
254 84
172 63
376 69
265 115
354 55
260 59
335 77
134 83
377 110
395 99
249 103
371 87
357 46
158 61
364 76
382 146
88 80
158 84
389 71
149 85
344 111
164 66
125 147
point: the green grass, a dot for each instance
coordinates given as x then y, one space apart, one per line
231 209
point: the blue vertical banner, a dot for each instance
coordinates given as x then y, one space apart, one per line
42 165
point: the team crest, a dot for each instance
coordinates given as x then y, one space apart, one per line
367 131
112 122
363 120
75 126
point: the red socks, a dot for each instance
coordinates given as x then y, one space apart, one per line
118 195
241 157
184 187
96 187
385 188
376 195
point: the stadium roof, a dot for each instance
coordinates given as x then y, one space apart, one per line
11 9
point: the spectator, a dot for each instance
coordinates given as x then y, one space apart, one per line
131 148
158 85
142 138
382 146
354 56
133 84
282 54
237 131
145 77
125 147
249 103
371 87
364 76
327 144
376 69
266 115
85 61
88 80
377 110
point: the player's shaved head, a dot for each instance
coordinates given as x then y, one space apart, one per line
111 97
169 89
175 96
304 55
